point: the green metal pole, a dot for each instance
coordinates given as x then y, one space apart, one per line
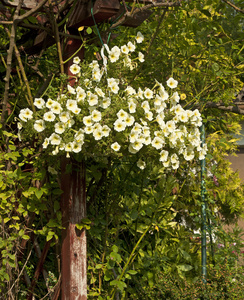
204 217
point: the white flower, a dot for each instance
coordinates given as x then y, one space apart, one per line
70 123
132 107
49 103
137 127
124 49
87 120
93 100
113 56
122 115
183 117
98 134
76 110
19 126
64 117
49 116
149 115
74 69
59 127
133 136
115 146
157 143
56 108
106 130
140 93
139 37
68 147
45 143
129 120
39 125
96 74
25 114
130 91
81 95
175 98
94 64
164 95
39 103
88 129
141 164
96 115
131 47
105 102
174 158
116 50
164 155
141 57
77 147
115 88
55 139
170 126
111 81
137 145
71 104
99 92
119 125
172 83
71 89
166 164
76 60
145 105
148 93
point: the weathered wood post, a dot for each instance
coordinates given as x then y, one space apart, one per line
73 252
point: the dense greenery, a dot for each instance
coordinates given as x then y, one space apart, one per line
142 226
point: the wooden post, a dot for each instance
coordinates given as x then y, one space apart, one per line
73 208
73 253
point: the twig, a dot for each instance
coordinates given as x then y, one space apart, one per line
22 270
146 7
9 61
151 42
234 6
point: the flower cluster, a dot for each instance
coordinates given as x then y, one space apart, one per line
100 113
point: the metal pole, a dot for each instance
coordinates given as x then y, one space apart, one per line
204 217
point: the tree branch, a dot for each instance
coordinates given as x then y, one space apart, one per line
234 6
129 15
9 61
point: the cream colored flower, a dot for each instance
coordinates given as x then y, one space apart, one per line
49 116
115 146
64 116
76 60
74 69
172 83
139 37
56 108
141 57
93 100
59 127
39 125
55 139
39 103
96 115
119 125
141 164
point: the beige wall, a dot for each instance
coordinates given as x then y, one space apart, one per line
237 162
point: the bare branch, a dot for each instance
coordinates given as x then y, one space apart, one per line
129 15
9 61
234 6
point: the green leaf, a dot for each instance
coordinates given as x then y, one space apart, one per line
89 30
39 193
132 272
184 268
120 284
